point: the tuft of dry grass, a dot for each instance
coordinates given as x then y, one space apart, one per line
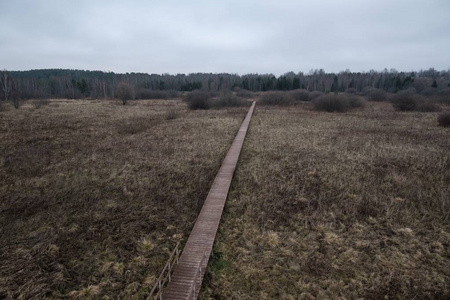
352 205
95 195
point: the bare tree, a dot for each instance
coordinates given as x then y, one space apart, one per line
6 84
124 92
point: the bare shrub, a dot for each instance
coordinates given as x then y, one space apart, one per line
300 95
429 91
133 125
355 101
315 94
444 92
156 94
428 107
39 103
198 100
351 91
375 95
443 96
405 101
124 92
332 103
243 93
444 119
15 98
172 114
276 98
229 100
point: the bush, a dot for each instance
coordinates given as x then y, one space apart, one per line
443 96
351 91
355 101
172 114
332 103
124 92
156 94
315 94
300 95
444 119
373 94
276 98
243 93
405 101
229 100
133 125
198 100
429 92
428 107
40 103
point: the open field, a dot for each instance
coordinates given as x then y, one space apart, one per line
337 206
95 194
323 205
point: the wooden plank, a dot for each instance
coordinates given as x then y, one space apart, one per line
201 239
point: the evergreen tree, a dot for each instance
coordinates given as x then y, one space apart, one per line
434 85
335 85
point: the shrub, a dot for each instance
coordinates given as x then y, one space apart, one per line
276 98
172 114
405 101
332 103
300 95
444 119
15 98
351 91
375 95
124 92
156 94
355 101
229 100
133 125
315 94
428 107
198 100
444 92
40 103
243 93
428 92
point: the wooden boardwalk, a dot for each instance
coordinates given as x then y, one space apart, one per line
188 274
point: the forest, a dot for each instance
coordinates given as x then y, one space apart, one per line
79 84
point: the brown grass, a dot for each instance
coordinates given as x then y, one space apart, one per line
95 194
342 206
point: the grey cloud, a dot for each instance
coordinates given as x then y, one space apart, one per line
224 36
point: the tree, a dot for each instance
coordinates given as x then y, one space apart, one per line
335 85
83 87
6 84
124 92
434 85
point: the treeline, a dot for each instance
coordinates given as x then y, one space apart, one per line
75 84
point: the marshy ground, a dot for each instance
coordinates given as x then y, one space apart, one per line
337 206
94 195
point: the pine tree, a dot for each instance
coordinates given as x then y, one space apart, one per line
434 85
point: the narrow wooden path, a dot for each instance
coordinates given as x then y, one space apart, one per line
188 274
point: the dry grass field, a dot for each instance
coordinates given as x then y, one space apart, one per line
94 195
337 206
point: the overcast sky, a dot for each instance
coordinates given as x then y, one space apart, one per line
241 36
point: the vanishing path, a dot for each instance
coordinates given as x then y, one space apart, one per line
188 274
